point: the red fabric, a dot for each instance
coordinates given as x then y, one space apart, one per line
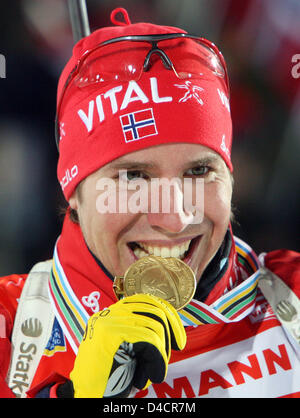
54 389
53 369
10 290
5 392
286 264
51 378
193 111
86 276
292 395
5 348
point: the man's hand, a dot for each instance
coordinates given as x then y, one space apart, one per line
128 344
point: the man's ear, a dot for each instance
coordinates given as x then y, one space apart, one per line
73 201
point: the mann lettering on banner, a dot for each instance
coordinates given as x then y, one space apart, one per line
209 379
263 370
2 66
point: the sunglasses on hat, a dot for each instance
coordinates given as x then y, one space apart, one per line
106 63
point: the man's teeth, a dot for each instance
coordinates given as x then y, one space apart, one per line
177 251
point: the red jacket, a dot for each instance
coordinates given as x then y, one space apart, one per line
56 366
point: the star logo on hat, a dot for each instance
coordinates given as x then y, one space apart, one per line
191 92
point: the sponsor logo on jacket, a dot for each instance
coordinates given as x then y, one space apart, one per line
32 328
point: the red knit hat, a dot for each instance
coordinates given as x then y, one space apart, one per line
99 122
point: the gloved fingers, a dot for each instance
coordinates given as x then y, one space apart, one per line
123 323
117 316
151 359
151 367
140 366
149 337
144 330
160 325
177 331
126 323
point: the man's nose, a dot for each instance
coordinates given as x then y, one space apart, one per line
170 215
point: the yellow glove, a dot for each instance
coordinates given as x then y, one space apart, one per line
128 344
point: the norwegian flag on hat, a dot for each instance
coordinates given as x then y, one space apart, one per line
137 125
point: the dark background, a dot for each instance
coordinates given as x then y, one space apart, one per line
258 39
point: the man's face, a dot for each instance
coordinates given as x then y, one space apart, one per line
119 239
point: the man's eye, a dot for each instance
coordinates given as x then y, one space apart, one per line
198 171
132 175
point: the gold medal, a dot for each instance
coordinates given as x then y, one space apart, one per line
167 278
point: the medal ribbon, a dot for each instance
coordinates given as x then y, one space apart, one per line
231 307
235 304
69 311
